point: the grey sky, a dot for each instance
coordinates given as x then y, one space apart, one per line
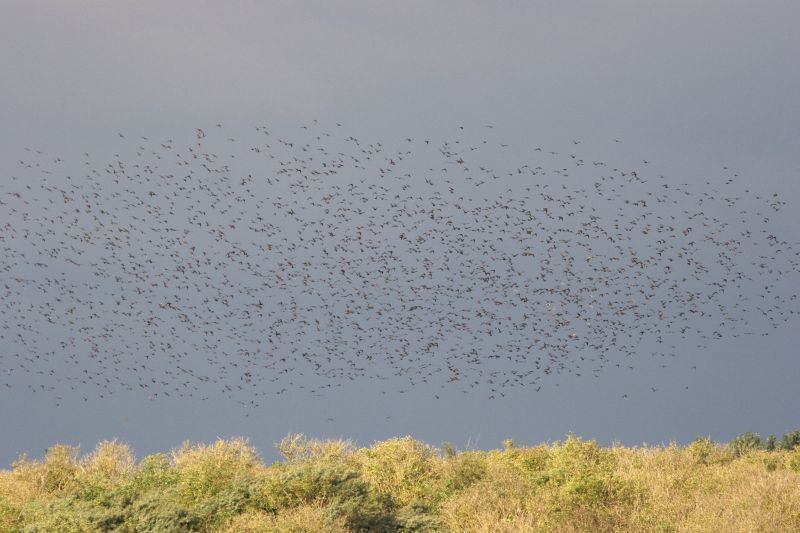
691 86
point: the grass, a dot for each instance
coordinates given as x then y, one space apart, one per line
403 484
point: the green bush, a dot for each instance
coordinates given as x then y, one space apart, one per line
745 443
9 516
704 451
205 470
461 470
162 512
154 472
341 488
771 443
404 485
582 473
298 448
404 468
791 440
307 518
61 515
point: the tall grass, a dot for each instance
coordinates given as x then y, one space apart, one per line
403 484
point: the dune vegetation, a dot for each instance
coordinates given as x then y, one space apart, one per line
402 484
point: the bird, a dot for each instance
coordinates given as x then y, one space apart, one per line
213 261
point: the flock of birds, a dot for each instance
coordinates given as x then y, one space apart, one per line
261 264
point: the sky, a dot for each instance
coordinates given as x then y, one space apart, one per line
690 86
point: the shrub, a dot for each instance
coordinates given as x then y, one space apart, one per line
449 450
705 452
154 472
56 474
414 517
62 515
311 518
582 489
340 488
794 460
402 468
533 462
745 443
502 501
461 470
205 470
110 465
162 512
291 485
298 448
403 485
771 444
581 470
9 515
791 440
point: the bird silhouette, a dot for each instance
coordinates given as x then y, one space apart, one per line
256 264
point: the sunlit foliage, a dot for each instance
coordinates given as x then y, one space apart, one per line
402 484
